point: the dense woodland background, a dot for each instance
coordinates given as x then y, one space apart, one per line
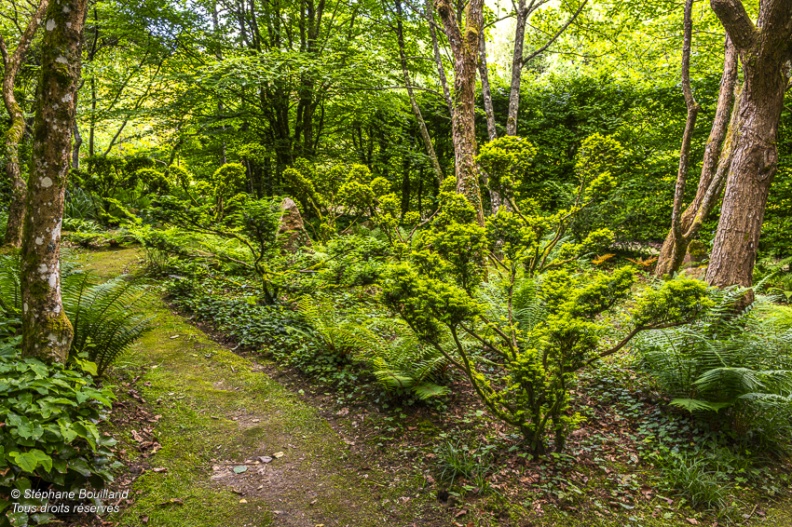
546 243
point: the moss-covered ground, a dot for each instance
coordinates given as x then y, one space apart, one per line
218 412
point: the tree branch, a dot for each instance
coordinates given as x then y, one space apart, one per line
736 21
557 34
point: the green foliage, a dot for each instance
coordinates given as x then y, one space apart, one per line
107 317
458 462
339 335
737 365
50 434
341 195
153 180
533 325
508 161
250 223
692 477
228 180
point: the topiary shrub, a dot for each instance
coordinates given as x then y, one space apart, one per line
521 329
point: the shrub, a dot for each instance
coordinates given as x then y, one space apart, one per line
50 415
736 366
106 317
534 320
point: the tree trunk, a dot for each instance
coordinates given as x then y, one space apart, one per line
465 47
517 66
496 201
713 171
687 136
438 59
46 331
764 52
519 61
15 133
427 140
486 92
76 147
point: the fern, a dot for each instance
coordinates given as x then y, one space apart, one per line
735 361
399 361
340 335
106 317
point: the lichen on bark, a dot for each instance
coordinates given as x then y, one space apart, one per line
47 332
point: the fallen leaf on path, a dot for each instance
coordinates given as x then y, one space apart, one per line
278 455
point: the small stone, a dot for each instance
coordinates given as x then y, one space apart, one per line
265 459
278 455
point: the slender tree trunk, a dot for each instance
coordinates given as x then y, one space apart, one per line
15 133
713 172
486 92
517 66
519 60
687 136
465 47
76 148
427 140
764 52
496 201
46 331
91 55
438 58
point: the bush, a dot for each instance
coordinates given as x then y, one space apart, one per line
733 366
50 435
534 322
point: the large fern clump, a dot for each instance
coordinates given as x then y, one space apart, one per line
107 317
387 347
734 363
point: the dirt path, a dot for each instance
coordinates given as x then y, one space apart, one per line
221 420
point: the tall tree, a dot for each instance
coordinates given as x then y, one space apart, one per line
12 61
46 331
465 44
522 11
717 155
765 50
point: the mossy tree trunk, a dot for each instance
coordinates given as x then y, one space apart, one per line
13 136
465 48
765 53
47 332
